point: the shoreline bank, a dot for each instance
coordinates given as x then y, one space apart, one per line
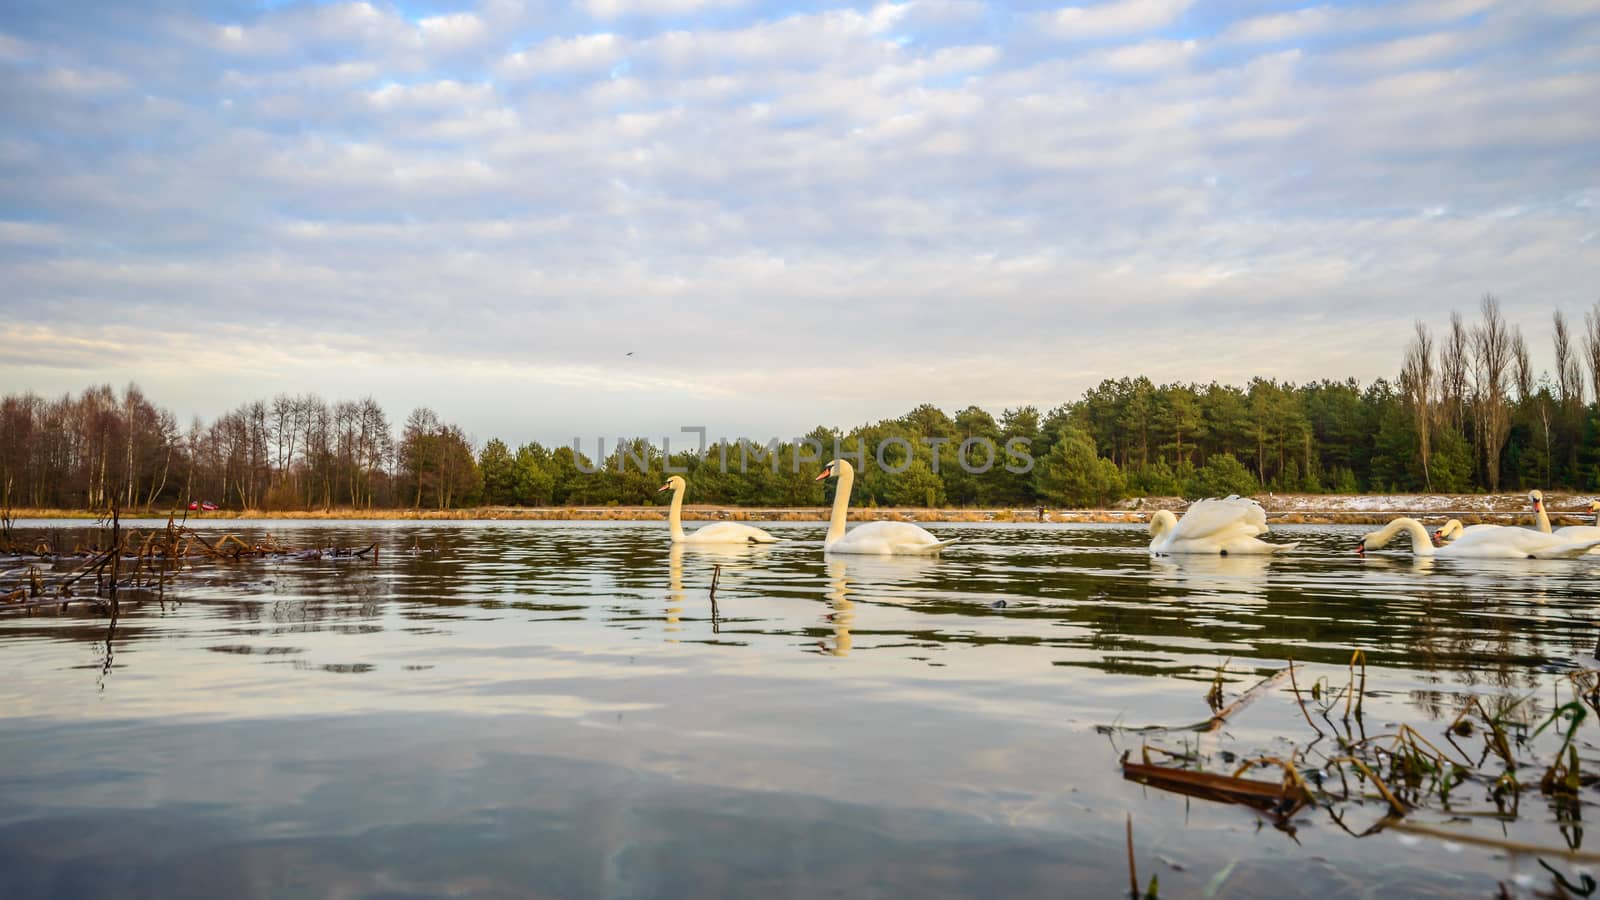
1283 509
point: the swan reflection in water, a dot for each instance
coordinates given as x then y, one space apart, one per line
866 579
732 557
1238 576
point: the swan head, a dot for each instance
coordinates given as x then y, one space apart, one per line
833 468
1449 531
1537 499
675 483
1375 540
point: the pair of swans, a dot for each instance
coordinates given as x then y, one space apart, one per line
875 538
1228 526
1570 532
1504 541
1480 541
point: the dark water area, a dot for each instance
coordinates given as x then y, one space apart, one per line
538 709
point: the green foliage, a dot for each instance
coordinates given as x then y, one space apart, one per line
1222 475
1158 480
1451 462
499 473
533 476
1126 435
1074 475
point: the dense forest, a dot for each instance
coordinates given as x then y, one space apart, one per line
1465 412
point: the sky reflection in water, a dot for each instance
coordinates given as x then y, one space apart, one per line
549 709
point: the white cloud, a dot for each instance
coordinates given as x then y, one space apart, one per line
1325 21
447 94
31 233
281 32
615 9
837 37
1118 17
817 179
1148 56
314 78
1283 26
1403 52
13 49
86 80
454 31
583 52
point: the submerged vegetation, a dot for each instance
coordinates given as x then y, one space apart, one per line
1483 767
1466 413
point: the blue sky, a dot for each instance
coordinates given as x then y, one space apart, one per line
791 214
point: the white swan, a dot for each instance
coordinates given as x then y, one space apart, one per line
715 533
1583 532
1570 532
1453 528
1225 526
879 538
1480 542
1541 520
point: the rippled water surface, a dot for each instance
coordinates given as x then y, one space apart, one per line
556 710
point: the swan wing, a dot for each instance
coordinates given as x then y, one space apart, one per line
1251 546
730 533
885 538
1567 549
1519 543
1221 520
1578 532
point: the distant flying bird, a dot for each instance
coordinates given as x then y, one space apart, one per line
629 353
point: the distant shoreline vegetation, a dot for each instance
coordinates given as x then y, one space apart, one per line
1466 414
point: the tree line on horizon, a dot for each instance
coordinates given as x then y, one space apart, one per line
1465 413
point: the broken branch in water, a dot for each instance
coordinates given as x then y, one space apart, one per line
1407 771
1217 720
1281 798
716 574
1133 869
153 559
1480 840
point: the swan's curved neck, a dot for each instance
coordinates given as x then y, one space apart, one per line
1161 523
1421 544
675 517
1541 517
841 503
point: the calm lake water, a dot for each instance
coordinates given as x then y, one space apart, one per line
550 710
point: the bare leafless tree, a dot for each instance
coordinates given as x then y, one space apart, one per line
1569 372
1454 374
1522 365
1417 383
1591 347
1493 353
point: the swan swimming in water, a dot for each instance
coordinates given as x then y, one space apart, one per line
715 533
879 538
1479 541
1453 529
1583 532
1227 526
1570 532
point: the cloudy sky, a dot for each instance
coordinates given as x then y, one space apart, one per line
790 214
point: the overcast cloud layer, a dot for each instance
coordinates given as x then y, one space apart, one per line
790 214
